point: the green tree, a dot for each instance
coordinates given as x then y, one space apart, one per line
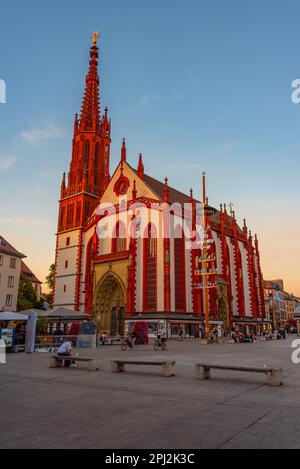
50 277
50 284
42 325
26 295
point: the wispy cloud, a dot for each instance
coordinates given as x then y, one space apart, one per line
7 162
23 221
148 101
42 135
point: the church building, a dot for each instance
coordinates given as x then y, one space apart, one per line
130 247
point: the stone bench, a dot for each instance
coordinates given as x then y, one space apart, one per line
274 375
167 368
58 361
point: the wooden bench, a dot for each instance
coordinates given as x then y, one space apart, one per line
274 375
167 368
58 360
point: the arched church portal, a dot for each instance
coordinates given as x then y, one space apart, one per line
110 305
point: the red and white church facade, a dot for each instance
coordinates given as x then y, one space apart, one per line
129 246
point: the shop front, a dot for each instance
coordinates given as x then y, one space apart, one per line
173 322
256 326
53 327
13 328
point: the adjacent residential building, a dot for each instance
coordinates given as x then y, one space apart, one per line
10 268
36 283
280 306
274 301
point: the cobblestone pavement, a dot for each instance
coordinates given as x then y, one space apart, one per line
44 407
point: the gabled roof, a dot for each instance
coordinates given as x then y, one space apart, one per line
158 187
7 248
26 271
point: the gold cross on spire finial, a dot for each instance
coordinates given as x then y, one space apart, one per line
95 38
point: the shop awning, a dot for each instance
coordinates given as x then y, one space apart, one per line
58 313
12 316
251 323
175 317
178 321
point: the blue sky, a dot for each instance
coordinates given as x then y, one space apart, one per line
196 85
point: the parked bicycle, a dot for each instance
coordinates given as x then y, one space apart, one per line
159 345
128 343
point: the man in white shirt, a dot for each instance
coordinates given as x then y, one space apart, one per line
65 350
163 337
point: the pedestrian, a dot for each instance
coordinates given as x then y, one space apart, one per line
65 350
134 337
180 333
163 337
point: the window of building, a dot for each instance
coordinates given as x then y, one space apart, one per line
179 270
1 259
96 163
119 238
11 280
65 288
77 151
106 148
78 213
150 269
62 218
8 301
68 241
70 215
86 154
66 264
86 209
13 263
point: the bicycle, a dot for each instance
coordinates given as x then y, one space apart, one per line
128 343
213 339
158 344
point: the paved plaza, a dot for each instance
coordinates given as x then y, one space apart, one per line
44 407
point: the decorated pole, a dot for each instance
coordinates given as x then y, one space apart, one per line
204 255
205 269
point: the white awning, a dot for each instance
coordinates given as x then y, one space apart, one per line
11 316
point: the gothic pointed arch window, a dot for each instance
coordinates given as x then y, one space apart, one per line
86 153
150 269
179 269
118 242
96 163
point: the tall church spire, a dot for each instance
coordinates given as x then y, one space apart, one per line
90 109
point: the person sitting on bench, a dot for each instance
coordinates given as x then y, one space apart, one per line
65 350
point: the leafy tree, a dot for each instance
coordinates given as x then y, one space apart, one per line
26 295
50 284
48 297
42 325
40 304
50 277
